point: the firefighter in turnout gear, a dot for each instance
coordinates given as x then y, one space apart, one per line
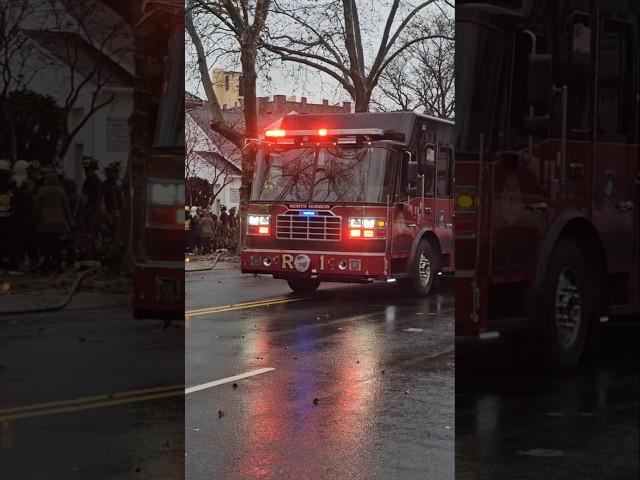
7 213
92 191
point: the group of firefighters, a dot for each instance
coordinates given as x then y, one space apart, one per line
48 224
206 232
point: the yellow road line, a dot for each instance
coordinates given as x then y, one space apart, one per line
245 304
230 308
84 403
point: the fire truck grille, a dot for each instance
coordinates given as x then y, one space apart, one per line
321 226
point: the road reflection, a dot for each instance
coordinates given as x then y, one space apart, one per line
345 398
507 409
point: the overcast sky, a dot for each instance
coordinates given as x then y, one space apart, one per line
293 79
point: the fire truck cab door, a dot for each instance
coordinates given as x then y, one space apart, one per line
615 159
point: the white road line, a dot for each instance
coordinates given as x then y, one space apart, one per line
215 383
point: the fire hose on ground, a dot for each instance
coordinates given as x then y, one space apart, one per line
58 306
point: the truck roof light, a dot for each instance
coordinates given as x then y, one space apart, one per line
347 140
323 132
276 133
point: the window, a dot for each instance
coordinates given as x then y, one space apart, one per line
579 71
427 160
443 181
615 77
226 82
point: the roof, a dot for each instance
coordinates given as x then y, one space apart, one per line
64 45
219 162
402 122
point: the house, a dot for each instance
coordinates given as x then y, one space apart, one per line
85 62
211 156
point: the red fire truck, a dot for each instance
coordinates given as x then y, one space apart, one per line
158 173
352 198
546 195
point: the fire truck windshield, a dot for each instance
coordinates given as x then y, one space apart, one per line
479 50
324 174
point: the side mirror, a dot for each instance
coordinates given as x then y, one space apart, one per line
412 172
540 82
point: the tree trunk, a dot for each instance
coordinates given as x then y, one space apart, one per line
250 109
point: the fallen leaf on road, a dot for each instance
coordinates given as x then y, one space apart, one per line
406 392
235 385
316 401
220 414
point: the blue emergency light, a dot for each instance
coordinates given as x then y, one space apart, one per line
308 213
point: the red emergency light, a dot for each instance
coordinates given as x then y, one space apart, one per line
323 132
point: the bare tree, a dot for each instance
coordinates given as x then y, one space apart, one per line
211 156
16 70
243 22
424 76
328 36
90 50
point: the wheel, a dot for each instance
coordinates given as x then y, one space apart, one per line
422 271
303 285
565 307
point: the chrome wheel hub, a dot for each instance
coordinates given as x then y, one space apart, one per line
568 308
424 269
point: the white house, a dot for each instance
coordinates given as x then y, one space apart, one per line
211 157
82 55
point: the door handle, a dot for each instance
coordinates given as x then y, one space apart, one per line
539 207
624 206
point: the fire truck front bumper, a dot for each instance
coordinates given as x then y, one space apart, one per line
325 266
158 290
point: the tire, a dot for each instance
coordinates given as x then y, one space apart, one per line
303 285
422 271
566 307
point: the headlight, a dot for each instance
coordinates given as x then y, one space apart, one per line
371 228
166 193
259 224
259 219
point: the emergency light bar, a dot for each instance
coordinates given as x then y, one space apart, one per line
323 132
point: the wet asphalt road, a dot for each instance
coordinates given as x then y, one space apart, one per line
86 351
385 394
514 422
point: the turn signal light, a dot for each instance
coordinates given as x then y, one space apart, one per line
466 199
263 230
367 228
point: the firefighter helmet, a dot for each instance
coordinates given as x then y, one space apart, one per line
113 167
89 163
